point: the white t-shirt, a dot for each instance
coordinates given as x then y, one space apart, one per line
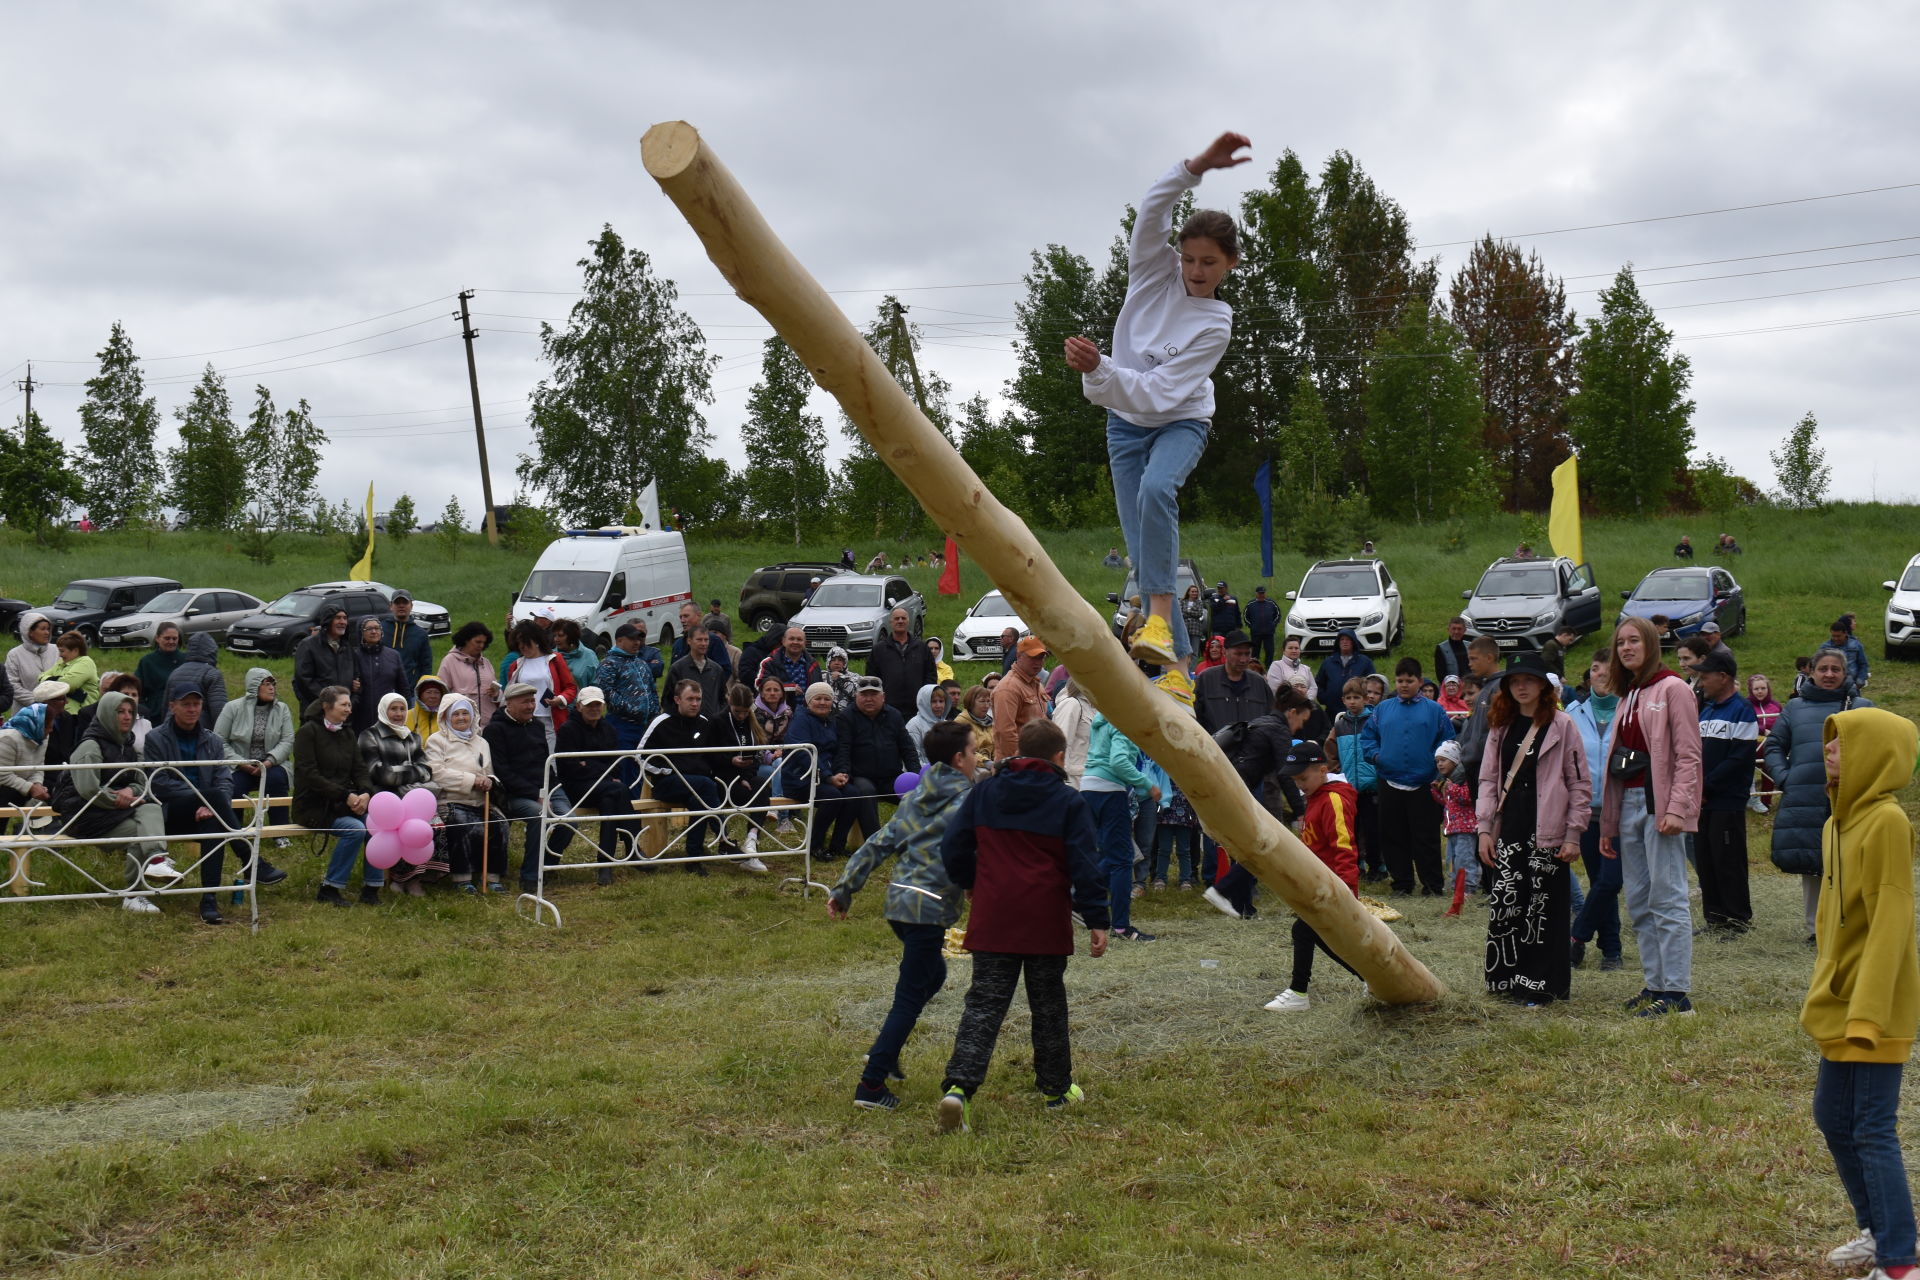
1165 343
537 672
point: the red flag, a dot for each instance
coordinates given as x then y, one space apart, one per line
950 576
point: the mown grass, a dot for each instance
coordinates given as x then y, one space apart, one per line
662 1088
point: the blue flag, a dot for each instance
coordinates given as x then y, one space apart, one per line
1263 485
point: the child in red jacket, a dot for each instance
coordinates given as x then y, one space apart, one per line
1328 830
1023 845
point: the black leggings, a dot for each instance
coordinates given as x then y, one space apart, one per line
1304 941
995 974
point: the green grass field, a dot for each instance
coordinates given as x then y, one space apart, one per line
436 1088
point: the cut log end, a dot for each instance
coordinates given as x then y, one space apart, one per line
668 148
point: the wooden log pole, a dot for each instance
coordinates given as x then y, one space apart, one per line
767 277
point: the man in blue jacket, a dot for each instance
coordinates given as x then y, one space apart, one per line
196 800
400 631
1345 663
1263 619
1399 741
1729 733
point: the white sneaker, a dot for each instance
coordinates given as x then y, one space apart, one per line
754 865
1219 902
281 842
140 905
751 845
161 868
1853 1252
1289 1001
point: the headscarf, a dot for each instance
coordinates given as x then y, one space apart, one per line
456 702
31 722
27 622
106 716
380 715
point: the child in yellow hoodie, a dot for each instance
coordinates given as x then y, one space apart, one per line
1864 1003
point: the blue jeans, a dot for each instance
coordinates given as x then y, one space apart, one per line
923 971
1601 915
1149 465
1181 840
352 833
1113 824
1857 1107
1463 854
1653 874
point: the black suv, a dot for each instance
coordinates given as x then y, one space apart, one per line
282 625
85 603
775 592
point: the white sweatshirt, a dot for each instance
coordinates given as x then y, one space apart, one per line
1165 343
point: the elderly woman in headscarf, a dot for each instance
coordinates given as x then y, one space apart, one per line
462 768
397 762
29 658
109 801
428 693
931 709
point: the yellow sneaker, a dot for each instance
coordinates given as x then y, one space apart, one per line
1178 685
1154 642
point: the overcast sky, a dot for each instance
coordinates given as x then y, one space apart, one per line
222 177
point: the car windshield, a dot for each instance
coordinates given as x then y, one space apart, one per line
1540 581
1674 586
565 586
847 595
1912 581
169 602
296 604
994 605
1357 581
82 595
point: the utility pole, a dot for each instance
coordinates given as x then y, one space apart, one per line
479 425
27 385
913 366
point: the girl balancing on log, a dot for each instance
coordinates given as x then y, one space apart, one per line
1157 387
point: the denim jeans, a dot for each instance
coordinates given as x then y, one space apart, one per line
1601 916
1146 830
1149 465
1653 873
923 971
1113 824
352 833
1182 841
1463 854
1857 1107
556 839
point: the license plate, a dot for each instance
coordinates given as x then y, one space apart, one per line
240 643
1506 642
986 651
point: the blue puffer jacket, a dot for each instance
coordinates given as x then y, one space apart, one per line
1335 671
1794 751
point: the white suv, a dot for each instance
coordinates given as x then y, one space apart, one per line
1342 595
1903 612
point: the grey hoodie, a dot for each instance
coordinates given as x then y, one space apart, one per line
244 718
25 663
923 720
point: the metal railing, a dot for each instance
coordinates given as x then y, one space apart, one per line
667 825
23 840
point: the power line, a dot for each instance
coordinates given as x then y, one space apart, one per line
254 346
397 413
360 355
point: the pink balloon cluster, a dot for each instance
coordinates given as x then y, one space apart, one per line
400 827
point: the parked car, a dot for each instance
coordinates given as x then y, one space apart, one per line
1903 612
282 625
433 617
774 593
1686 598
1519 604
1187 575
190 608
10 611
607 577
1346 595
850 610
977 638
85 603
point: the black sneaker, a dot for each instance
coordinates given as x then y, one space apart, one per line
1133 935
603 877
1611 964
270 874
370 895
331 896
1671 1002
876 1097
1638 1002
210 910
1576 953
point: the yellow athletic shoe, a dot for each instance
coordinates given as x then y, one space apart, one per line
1154 642
1178 685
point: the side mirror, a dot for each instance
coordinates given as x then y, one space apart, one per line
1113 597
1888 585
1293 595
513 597
1626 595
193 613
1466 595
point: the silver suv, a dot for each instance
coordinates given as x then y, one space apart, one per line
851 609
1519 604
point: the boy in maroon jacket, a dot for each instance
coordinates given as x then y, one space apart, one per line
1023 843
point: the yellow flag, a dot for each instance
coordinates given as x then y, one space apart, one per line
363 571
1563 517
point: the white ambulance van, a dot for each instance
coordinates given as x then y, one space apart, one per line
605 578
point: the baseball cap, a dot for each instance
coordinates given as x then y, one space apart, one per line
1717 661
867 684
1259 591
1221 583
1033 647
1710 627
628 631
1302 756
1237 640
590 694
518 689
398 596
